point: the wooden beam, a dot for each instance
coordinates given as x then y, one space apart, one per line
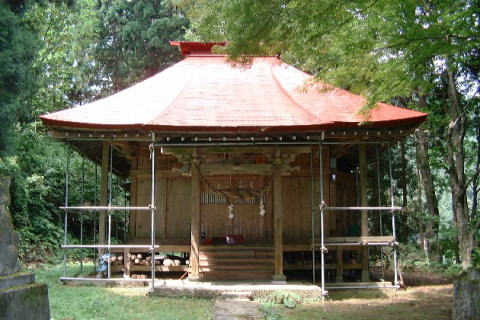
160 172
364 203
230 168
278 223
241 149
195 226
342 149
103 192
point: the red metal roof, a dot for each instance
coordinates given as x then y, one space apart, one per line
205 93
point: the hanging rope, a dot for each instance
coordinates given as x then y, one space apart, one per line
231 195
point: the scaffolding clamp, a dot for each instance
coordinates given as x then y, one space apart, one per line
322 205
150 149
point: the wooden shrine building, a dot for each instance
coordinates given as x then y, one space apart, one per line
240 160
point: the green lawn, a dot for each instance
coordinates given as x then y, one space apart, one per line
100 302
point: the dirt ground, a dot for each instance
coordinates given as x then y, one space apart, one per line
413 278
433 302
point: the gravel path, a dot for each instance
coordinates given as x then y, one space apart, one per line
237 308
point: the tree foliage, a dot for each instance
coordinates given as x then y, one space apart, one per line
133 39
420 54
380 48
18 46
55 55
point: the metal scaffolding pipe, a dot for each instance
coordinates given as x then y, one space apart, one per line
364 287
380 204
322 202
313 212
369 244
103 208
393 216
106 246
322 248
66 213
81 215
95 219
109 243
392 208
152 209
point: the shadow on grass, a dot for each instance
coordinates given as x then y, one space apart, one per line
339 295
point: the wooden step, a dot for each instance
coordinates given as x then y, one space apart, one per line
236 262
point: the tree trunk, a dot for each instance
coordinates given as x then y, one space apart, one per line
428 187
475 187
421 218
456 156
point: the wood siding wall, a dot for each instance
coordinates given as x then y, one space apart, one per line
173 194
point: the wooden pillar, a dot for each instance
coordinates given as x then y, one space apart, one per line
339 268
133 197
133 202
195 226
363 202
161 207
103 193
126 263
278 223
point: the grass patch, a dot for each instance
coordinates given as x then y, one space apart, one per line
68 302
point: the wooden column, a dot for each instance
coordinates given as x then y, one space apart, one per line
103 193
133 197
126 263
195 226
133 202
278 223
161 207
363 202
339 267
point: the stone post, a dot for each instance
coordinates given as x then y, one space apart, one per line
466 295
20 296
